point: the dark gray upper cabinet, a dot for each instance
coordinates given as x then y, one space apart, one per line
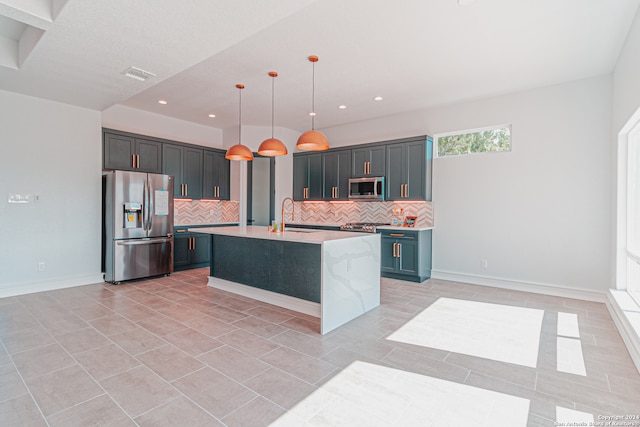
125 152
336 171
368 161
185 164
215 176
409 170
307 176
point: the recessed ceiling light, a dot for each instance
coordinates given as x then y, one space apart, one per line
312 113
212 115
465 2
342 107
162 101
377 98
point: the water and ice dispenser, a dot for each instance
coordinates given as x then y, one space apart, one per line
132 215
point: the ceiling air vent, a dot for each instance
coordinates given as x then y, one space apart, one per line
137 73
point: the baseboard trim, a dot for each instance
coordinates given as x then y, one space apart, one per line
537 288
617 302
49 285
285 301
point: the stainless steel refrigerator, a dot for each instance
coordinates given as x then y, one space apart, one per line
137 225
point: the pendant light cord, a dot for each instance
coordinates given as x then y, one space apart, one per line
273 85
240 116
313 95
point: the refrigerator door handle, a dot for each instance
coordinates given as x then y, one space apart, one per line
145 206
150 210
138 242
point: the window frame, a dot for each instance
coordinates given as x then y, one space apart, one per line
436 140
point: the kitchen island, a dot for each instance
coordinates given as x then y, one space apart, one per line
333 275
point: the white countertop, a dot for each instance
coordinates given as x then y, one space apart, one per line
401 228
290 234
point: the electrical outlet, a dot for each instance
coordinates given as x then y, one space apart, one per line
484 263
41 266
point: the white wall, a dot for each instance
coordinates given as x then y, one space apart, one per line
539 214
142 122
52 150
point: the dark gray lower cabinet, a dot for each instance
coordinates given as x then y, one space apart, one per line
190 250
288 268
406 255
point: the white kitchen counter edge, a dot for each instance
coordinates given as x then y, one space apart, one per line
400 228
292 235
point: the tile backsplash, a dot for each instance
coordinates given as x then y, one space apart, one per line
194 212
343 212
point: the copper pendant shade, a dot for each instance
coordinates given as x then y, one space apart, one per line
313 140
272 147
239 151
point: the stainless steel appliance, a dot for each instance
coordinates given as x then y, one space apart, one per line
365 227
137 225
369 188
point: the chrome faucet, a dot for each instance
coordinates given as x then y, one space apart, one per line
293 214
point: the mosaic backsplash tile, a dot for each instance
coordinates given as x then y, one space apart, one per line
343 212
194 212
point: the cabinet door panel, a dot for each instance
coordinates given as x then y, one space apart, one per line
300 176
192 172
117 152
416 165
222 166
396 171
181 251
150 153
209 174
315 176
377 159
408 260
387 260
200 252
344 173
172 165
359 158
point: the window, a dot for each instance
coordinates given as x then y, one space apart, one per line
474 141
633 213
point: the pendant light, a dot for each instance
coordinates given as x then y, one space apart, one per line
313 140
239 151
272 147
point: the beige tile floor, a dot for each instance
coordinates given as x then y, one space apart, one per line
171 351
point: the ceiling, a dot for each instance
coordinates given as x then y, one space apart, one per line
413 53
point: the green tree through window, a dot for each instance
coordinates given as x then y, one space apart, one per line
484 141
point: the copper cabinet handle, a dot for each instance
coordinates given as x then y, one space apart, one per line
399 250
133 161
138 161
396 234
186 189
181 231
193 245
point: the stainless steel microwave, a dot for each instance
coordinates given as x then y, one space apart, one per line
369 188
